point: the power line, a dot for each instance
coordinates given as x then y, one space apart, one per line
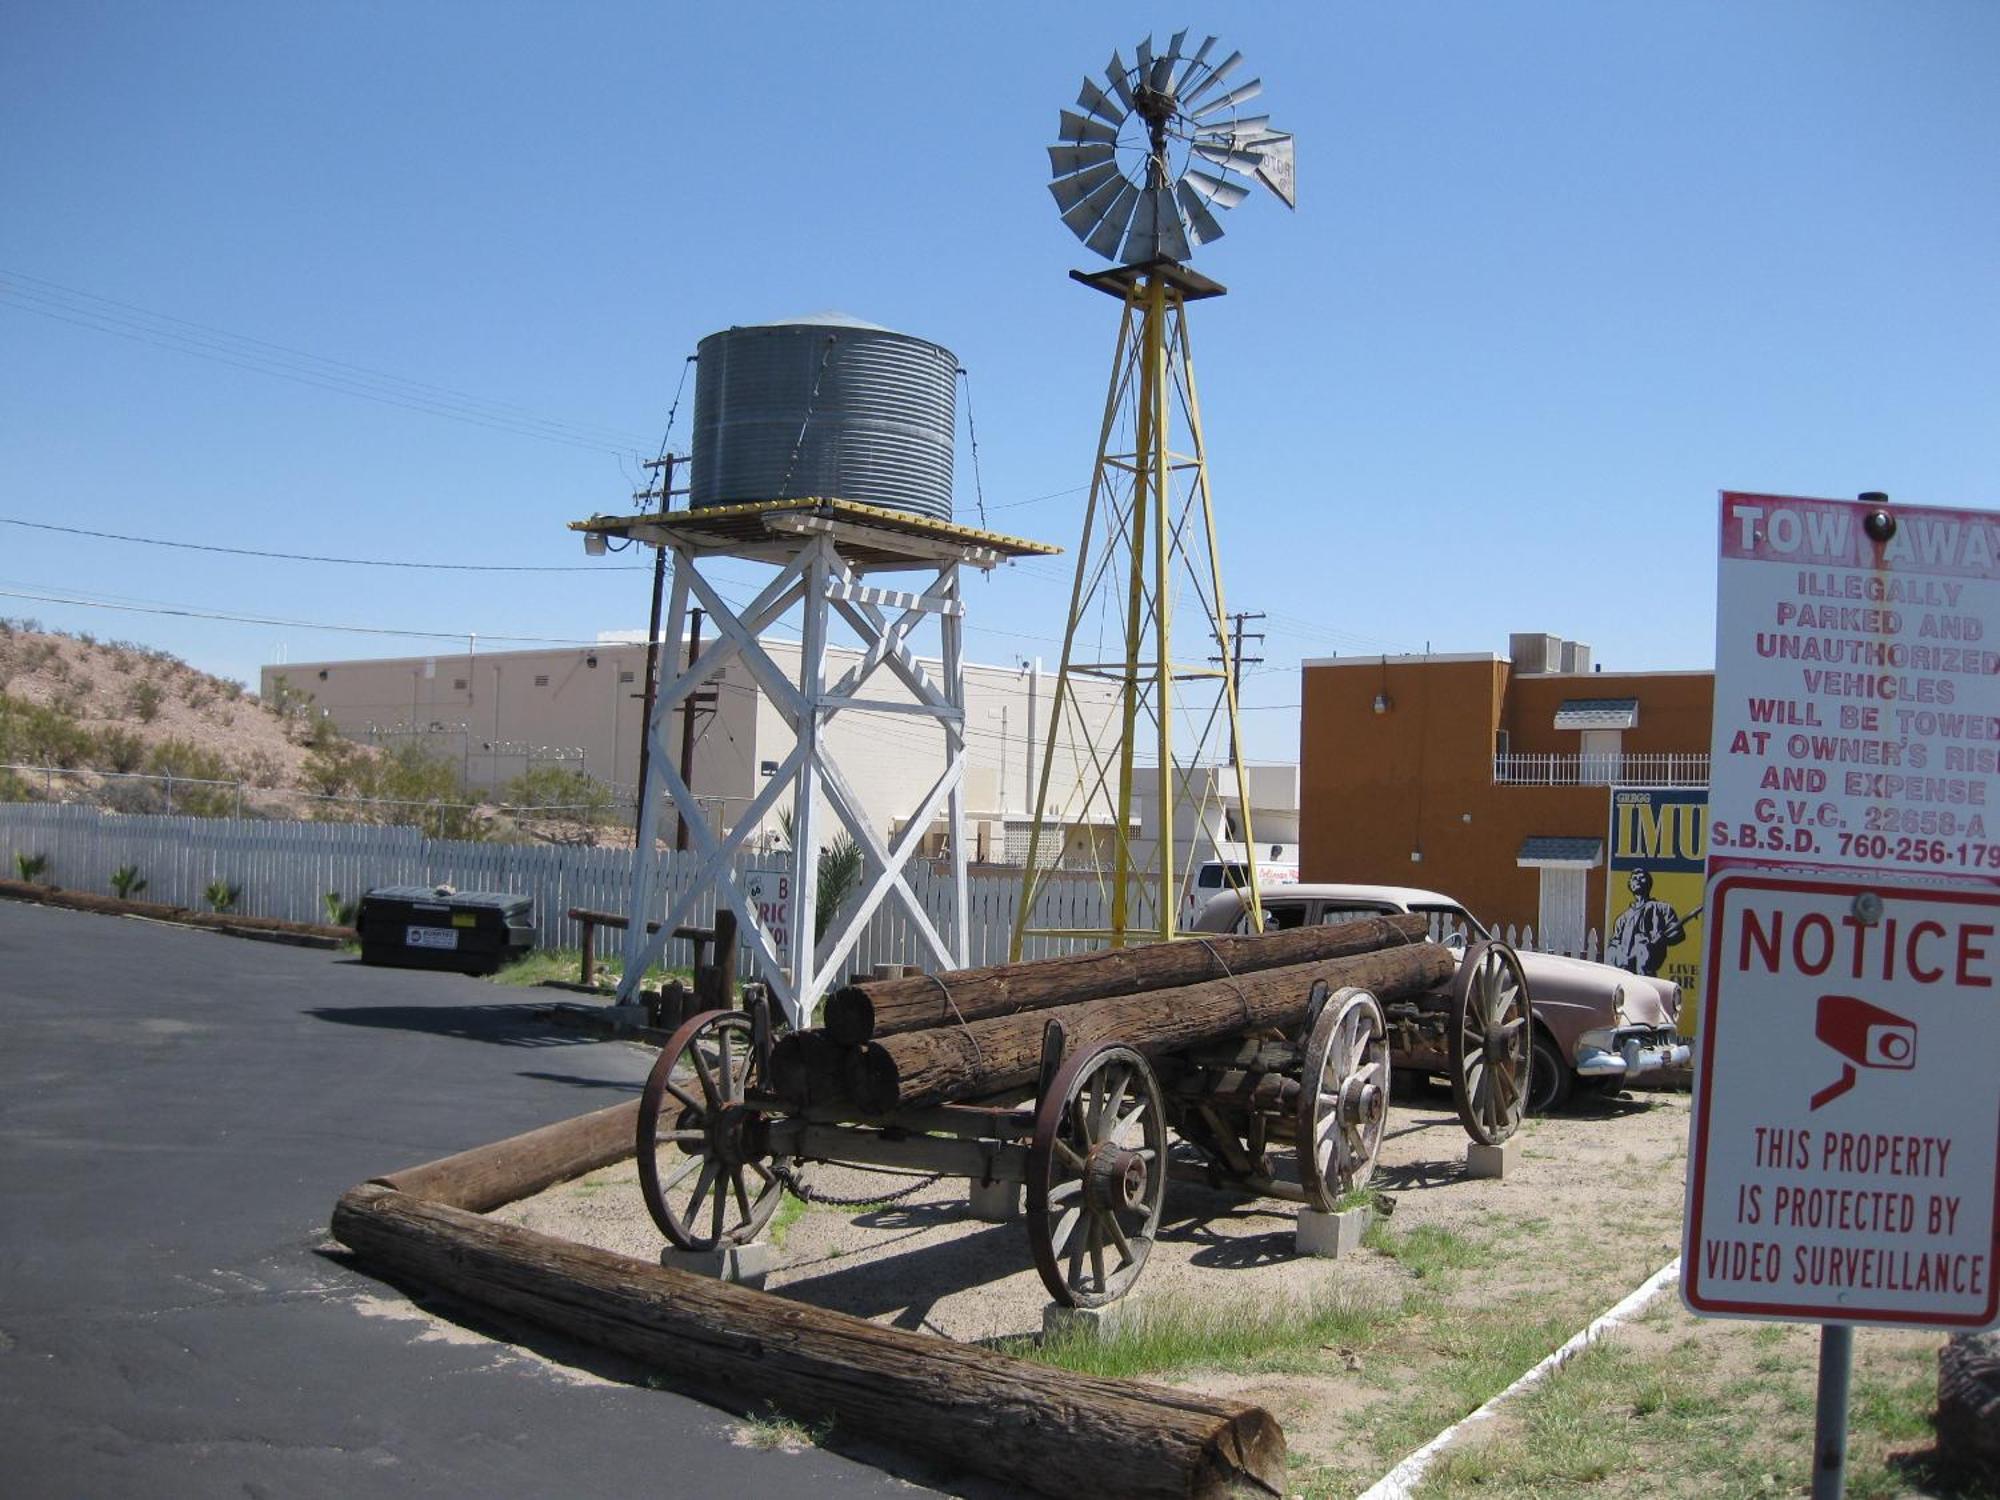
308 557
163 331
210 614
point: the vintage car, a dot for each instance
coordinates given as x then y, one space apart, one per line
1593 1024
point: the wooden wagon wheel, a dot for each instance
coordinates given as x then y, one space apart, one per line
1096 1175
693 1123
1343 1097
1490 1043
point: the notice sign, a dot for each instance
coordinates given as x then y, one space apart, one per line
1847 1106
1857 689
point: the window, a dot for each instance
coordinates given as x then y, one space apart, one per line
1331 915
624 676
458 684
542 680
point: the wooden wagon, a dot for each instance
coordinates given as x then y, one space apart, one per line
1258 1064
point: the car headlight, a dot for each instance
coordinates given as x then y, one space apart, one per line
1618 1014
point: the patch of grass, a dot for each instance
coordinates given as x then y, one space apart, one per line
1427 1252
790 1210
1181 1334
1665 1414
773 1431
566 964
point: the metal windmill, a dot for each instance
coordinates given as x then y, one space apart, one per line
1145 161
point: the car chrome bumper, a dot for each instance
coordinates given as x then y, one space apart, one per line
1635 1053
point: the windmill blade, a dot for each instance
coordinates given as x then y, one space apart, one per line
1144 65
1278 171
1235 96
1162 75
1233 158
1104 239
1217 190
1142 240
1064 160
1170 233
1222 70
1194 64
1235 132
1082 128
1101 104
1088 212
1115 76
1202 225
1070 191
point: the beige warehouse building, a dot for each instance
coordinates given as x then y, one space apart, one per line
500 713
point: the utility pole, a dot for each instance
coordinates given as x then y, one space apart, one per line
1238 636
664 463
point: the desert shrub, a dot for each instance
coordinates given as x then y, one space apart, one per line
338 770
577 794
30 866
182 759
143 699
222 896
15 788
34 735
117 750
134 797
127 882
340 912
260 768
200 695
321 733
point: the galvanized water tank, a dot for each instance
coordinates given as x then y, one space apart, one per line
824 406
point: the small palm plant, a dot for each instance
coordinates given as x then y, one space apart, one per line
30 866
127 881
339 911
222 896
840 867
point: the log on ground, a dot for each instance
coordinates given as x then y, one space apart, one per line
957 1404
944 1063
865 1009
487 1176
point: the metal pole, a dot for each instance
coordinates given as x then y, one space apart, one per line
1836 1363
687 729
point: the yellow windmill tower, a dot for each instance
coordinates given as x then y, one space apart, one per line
1144 162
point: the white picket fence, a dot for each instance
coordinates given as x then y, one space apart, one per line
285 869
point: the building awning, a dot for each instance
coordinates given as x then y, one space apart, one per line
1546 853
1598 713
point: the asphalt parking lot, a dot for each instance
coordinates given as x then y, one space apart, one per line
178 1113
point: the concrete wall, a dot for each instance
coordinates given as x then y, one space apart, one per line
497 713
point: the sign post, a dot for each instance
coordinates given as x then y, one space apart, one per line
1845 1157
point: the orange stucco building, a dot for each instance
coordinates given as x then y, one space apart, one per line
1488 777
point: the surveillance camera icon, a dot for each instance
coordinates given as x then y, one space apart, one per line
1867 1036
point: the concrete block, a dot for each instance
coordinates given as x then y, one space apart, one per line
1330 1236
1094 1321
995 1202
746 1265
1492 1161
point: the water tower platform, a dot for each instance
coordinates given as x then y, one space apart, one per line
822 550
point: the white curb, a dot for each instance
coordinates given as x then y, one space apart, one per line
1398 1482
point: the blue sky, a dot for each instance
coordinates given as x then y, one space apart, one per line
1559 273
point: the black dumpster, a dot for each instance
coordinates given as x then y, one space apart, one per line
435 927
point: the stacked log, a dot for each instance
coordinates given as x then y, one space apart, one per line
866 1009
989 1057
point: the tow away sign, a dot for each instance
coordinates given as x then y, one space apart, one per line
1846 1157
1857 689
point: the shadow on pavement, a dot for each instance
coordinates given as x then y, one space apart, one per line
517 1025
574 1080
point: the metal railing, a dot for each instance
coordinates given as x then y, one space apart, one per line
1601 770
